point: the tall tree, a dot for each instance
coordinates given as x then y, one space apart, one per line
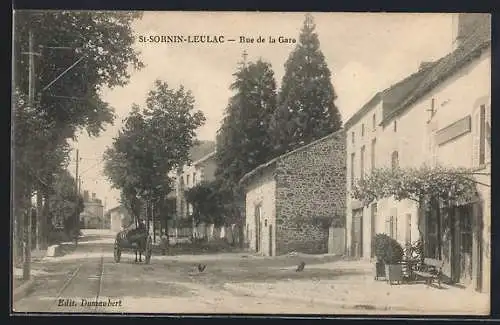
243 141
306 109
63 202
79 53
153 141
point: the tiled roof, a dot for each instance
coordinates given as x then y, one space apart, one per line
400 96
201 149
391 96
470 48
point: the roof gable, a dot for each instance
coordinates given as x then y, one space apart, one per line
271 163
470 48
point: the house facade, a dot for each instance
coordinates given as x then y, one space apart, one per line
93 212
294 200
201 170
444 119
119 218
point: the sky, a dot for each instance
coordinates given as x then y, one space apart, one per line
366 53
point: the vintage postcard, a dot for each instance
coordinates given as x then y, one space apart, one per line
251 163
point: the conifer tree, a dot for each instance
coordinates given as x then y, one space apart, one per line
243 141
306 109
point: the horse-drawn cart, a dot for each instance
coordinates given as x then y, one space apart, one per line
134 238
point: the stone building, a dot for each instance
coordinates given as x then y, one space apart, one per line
294 201
92 216
441 117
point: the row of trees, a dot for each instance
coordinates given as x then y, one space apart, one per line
262 123
76 55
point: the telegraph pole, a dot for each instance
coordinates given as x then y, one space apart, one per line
77 199
31 102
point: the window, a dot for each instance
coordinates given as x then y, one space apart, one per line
352 137
465 229
194 178
482 135
352 169
374 143
390 226
362 163
408 228
394 160
374 121
395 126
362 130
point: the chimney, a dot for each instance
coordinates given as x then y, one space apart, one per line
85 196
93 197
464 24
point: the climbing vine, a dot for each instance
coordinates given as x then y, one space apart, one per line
446 184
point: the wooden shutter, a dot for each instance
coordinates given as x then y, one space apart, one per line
475 136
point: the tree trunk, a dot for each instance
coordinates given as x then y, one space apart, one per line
39 219
45 221
27 244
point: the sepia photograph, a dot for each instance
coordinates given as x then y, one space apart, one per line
182 162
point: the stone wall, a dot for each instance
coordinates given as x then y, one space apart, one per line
310 184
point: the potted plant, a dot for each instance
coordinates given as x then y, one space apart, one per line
379 244
389 255
392 261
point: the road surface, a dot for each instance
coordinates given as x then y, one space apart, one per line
89 281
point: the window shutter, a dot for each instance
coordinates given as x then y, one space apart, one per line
475 137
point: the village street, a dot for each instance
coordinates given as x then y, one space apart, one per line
231 283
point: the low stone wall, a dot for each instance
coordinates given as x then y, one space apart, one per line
208 232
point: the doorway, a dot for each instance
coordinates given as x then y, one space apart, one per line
373 227
357 233
270 240
461 265
257 227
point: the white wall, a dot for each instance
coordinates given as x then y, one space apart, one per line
415 142
261 191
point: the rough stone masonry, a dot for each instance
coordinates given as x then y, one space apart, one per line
310 186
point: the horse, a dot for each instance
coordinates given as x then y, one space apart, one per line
135 238
140 242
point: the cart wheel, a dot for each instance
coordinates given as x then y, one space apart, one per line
117 253
149 248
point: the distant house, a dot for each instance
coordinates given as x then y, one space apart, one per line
92 216
294 201
202 168
119 218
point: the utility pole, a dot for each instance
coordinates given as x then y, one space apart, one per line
31 102
77 199
104 214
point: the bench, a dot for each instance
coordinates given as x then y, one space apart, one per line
430 270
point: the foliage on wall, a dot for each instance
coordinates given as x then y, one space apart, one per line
446 184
